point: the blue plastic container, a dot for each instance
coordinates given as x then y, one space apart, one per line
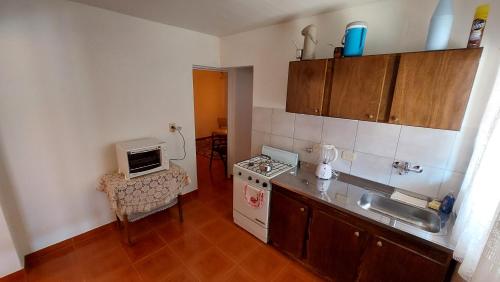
354 39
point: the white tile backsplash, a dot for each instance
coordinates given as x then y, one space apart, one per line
452 182
443 154
341 164
372 167
425 183
424 146
282 123
308 128
259 139
379 139
301 146
339 132
261 119
281 142
462 150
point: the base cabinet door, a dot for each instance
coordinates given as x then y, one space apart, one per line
288 224
388 261
334 246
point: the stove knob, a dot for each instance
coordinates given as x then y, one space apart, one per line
249 178
239 173
257 181
264 184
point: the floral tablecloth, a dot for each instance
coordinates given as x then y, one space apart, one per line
144 193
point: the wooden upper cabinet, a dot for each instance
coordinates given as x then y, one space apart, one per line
432 88
361 87
307 81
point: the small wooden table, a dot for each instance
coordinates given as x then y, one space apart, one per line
141 196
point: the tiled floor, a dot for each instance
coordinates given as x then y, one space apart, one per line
208 246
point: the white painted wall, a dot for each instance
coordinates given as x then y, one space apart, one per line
9 261
75 79
240 96
393 26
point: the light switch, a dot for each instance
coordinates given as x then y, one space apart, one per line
348 156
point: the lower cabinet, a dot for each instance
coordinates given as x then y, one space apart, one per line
388 261
288 214
334 247
344 247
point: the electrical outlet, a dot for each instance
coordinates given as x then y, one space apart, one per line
172 127
348 156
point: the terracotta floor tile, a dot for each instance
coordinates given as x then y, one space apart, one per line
102 241
264 263
189 245
161 218
239 275
139 227
96 262
210 265
143 246
221 205
199 217
181 274
173 230
123 274
64 267
158 266
238 245
18 276
294 272
218 230
207 246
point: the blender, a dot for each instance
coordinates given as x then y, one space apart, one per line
327 155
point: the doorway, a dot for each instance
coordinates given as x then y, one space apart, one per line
223 119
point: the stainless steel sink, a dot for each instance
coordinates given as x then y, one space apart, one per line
423 219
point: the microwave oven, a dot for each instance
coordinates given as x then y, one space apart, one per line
141 156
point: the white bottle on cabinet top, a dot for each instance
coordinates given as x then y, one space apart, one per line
440 26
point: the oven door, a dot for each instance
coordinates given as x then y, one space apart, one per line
144 160
252 202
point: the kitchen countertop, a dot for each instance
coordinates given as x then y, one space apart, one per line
344 193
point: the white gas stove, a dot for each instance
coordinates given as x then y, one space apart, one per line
252 188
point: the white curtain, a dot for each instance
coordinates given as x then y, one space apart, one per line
477 229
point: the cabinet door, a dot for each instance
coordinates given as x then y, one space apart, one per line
288 223
432 88
387 261
361 87
334 246
306 86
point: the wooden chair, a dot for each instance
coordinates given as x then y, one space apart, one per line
219 147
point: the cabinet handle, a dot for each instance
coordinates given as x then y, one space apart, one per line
379 243
316 110
370 116
395 118
302 209
356 234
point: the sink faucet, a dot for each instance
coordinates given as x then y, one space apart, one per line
405 167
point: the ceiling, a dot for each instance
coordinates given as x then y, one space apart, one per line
221 17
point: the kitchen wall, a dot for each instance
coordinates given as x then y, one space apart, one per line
210 100
74 80
375 145
9 260
393 26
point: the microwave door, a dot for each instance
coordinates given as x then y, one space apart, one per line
144 160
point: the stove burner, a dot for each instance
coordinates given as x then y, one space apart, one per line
265 166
